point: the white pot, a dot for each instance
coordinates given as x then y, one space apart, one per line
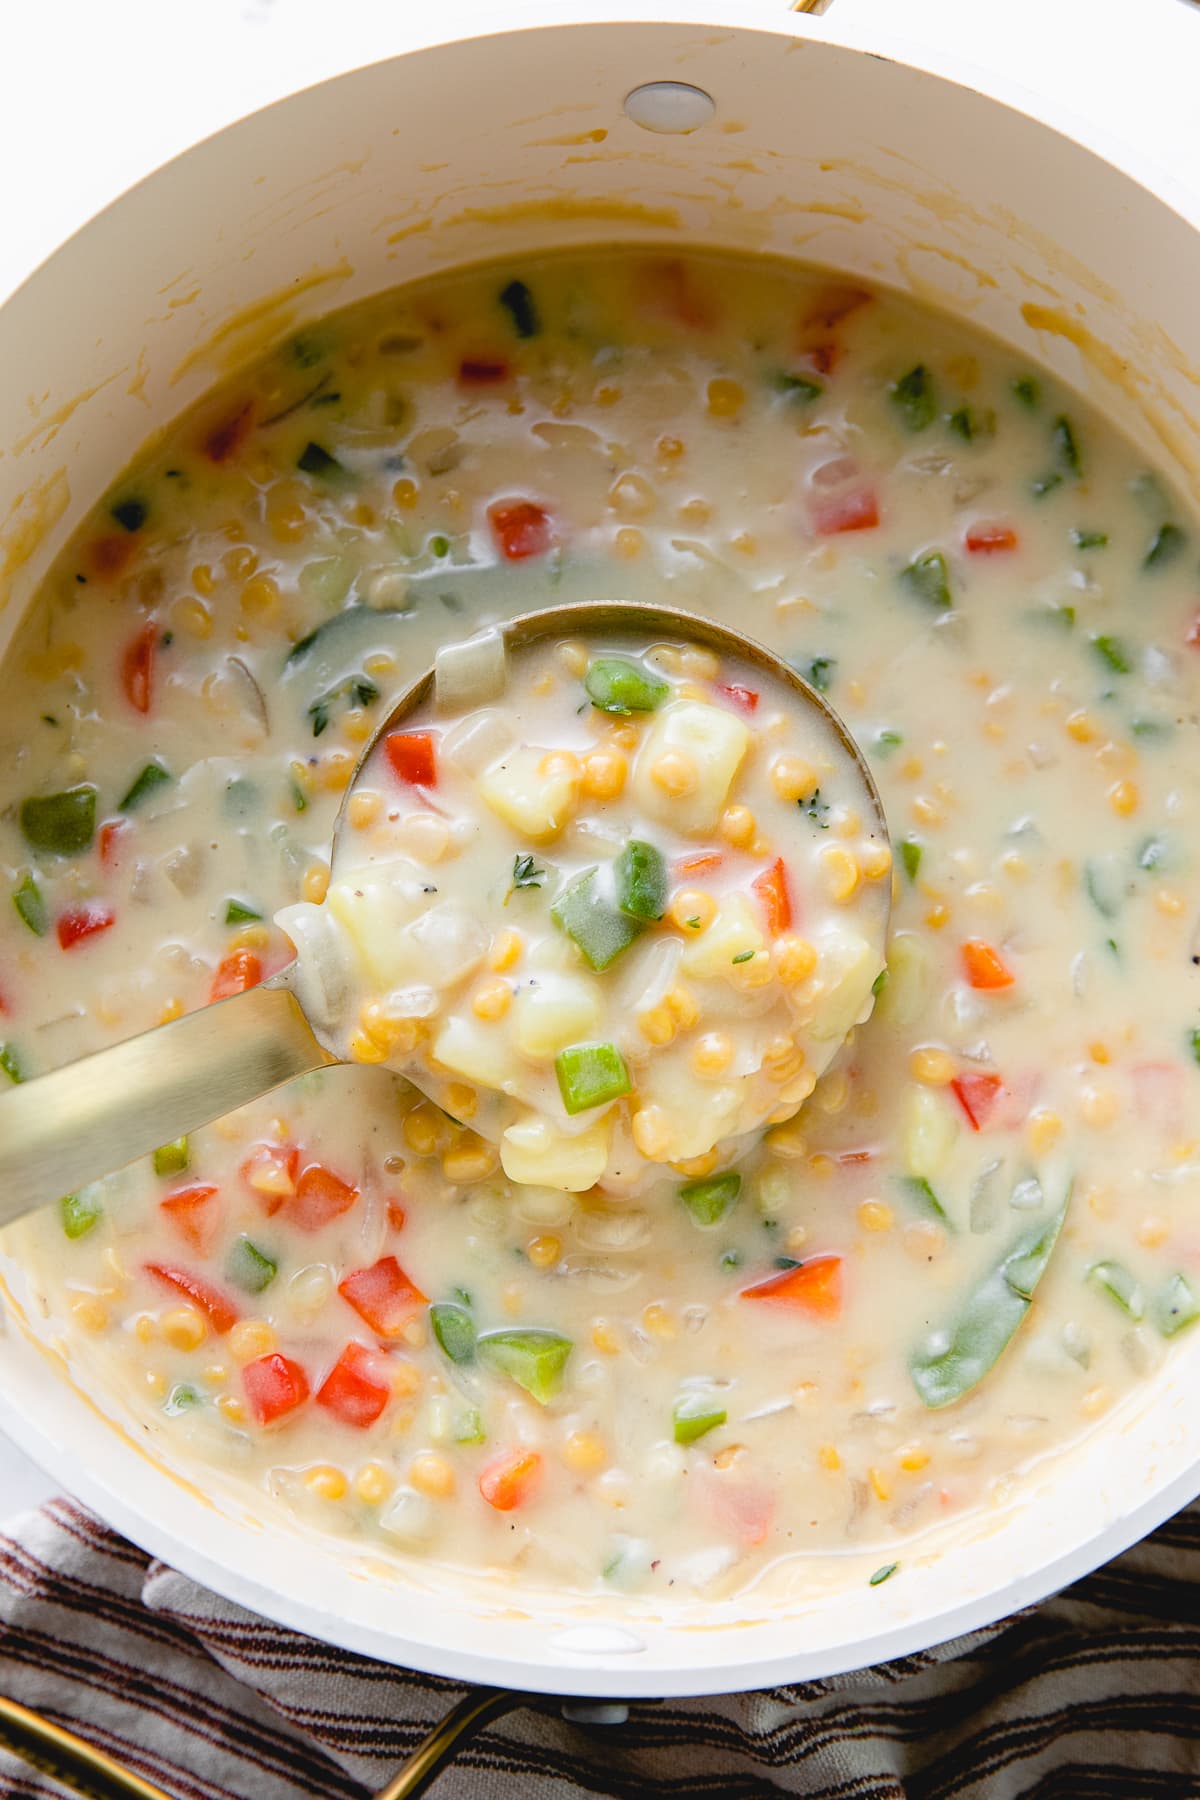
491 145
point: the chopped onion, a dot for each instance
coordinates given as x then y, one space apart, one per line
475 743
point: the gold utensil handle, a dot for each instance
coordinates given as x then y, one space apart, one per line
67 1758
60 1131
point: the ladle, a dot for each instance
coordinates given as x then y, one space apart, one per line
96 1115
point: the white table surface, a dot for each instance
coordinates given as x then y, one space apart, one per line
97 95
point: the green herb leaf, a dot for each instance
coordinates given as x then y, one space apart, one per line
31 907
1041 485
962 423
355 691
454 1330
1027 391
1112 652
928 579
1194 1041
1086 539
63 823
533 1358
743 956
817 809
525 874
963 1354
10 1062
709 1200
1066 445
519 304
888 740
914 398
80 1213
820 672
910 857
881 1575
153 776
694 1415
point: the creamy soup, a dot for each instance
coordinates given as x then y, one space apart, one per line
977 1235
597 1019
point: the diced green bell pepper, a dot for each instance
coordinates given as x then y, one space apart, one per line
696 1414
533 1358
238 913
182 1398
617 684
10 1062
454 1330
468 1427
914 398
172 1158
250 1268
152 777
1114 1279
708 1201
63 823
590 1075
1176 1306
79 1213
640 872
594 922
928 579
30 905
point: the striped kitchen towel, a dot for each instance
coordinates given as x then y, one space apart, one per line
1093 1696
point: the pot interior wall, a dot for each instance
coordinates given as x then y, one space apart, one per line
503 146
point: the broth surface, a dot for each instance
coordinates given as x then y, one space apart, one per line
336 1293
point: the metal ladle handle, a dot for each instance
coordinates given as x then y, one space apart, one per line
59 1131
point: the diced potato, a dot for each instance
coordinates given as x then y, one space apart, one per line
555 1011
534 1152
482 1052
734 931
451 942
375 910
928 1132
909 962
473 743
535 805
841 991
713 741
695 1124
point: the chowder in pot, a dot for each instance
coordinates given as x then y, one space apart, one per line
978 1233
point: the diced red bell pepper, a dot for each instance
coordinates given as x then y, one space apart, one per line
986 540
396 1215
857 510
771 887
814 1285
825 357
217 1308
137 668
84 921
271 1169
741 1508
666 287
1193 633
108 840
511 1480
978 1093
986 968
274 1386
235 974
704 862
353 1390
226 439
383 1295
521 528
743 697
413 757
320 1197
109 556
482 371
195 1212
